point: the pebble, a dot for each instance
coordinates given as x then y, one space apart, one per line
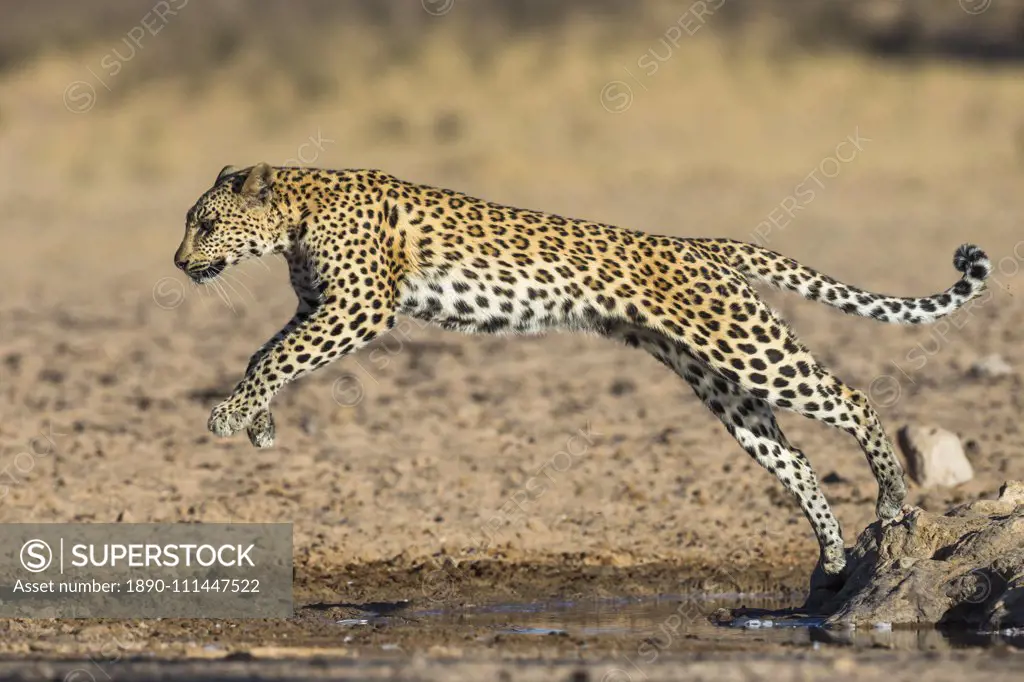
991 367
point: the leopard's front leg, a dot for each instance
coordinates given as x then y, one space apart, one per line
261 430
333 330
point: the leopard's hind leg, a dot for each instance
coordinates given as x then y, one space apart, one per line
752 423
746 343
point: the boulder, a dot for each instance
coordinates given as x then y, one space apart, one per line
935 456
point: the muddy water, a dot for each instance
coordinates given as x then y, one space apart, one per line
679 623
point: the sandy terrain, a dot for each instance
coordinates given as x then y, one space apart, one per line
397 466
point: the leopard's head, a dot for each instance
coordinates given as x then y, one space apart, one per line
234 220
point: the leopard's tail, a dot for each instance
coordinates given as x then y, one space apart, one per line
762 265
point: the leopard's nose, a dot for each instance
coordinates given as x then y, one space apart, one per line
180 263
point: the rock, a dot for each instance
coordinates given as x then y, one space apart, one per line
622 387
964 568
308 425
991 367
1012 491
935 456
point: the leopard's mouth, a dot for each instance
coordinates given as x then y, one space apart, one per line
205 273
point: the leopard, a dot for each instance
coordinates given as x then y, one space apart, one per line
363 247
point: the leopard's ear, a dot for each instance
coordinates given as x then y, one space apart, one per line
259 182
224 172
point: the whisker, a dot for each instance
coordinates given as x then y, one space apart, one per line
228 284
202 288
264 263
207 291
226 295
244 287
221 293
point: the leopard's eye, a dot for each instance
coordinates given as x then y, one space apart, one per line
205 227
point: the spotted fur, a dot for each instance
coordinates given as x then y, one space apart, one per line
363 246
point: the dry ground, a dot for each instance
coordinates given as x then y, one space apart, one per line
389 462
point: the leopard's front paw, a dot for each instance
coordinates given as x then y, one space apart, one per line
228 418
261 431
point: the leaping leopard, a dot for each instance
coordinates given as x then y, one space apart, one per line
363 246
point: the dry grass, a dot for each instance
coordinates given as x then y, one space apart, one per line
292 34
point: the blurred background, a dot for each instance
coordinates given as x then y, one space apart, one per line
590 107
867 138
